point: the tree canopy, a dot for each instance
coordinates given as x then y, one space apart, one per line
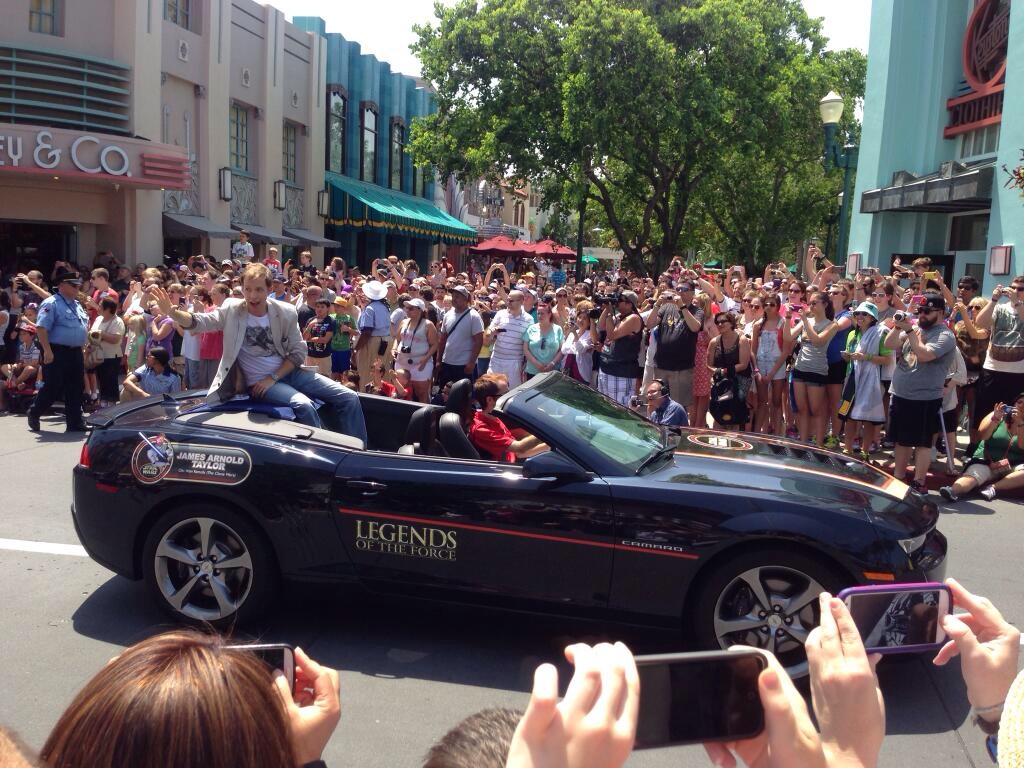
672 119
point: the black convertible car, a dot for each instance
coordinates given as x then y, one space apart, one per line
729 536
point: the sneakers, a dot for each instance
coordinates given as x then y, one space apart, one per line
918 487
988 492
856 443
791 433
947 493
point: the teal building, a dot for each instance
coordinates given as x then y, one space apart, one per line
376 202
943 113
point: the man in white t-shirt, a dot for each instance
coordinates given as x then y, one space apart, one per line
263 344
1002 374
506 333
462 336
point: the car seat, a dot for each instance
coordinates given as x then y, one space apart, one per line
453 437
460 398
421 434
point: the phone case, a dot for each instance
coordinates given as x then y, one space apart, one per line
924 586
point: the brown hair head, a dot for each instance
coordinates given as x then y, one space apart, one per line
180 698
481 740
257 272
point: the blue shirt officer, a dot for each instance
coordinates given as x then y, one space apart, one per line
62 324
662 409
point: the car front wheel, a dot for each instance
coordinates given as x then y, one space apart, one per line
207 565
766 599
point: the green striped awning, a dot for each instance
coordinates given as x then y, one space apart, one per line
366 206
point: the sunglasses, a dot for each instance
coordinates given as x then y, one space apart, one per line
1019 288
926 310
756 306
722 322
796 290
877 295
861 314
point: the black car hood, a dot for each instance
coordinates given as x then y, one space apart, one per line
822 478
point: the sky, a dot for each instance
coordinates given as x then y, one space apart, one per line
384 27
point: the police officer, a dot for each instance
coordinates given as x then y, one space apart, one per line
61 326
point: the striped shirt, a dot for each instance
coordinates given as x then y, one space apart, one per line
509 345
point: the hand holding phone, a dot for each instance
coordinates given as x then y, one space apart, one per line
313 706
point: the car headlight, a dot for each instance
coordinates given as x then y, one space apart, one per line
912 545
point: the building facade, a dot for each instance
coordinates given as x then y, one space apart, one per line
943 113
380 202
148 128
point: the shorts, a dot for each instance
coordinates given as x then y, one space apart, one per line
913 423
810 378
836 372
983 473
341 360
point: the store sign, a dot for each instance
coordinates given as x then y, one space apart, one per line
59 152
984 63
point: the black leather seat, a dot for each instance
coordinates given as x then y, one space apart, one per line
460 398
421 434
453 436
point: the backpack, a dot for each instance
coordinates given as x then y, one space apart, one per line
727 407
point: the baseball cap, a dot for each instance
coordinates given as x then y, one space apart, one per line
631 297
418 303
934 300
461 289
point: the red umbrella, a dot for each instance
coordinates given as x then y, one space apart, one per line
552 250
501 244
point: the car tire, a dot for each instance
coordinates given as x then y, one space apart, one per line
728 609
185 580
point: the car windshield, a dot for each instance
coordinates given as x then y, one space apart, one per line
585 415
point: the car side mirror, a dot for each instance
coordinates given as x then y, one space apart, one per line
555 467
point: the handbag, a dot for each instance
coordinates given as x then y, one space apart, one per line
93 355
727 407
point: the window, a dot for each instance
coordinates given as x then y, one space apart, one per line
968 233
337 122
397 153
415 179
368 150
425 176
979 142
289 152
238 138
519 214
42 17
178 11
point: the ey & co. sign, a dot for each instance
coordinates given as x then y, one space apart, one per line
984 63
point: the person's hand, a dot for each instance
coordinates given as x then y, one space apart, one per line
997 293
593 726
259 389
789 737
997 412
47 356
988 648
423 364
161 297
844 688
314 708
959 307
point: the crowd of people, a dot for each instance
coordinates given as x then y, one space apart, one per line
856 364
142 710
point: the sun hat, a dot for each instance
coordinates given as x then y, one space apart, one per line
866 307
341 301
374 290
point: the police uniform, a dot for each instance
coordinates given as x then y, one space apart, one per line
66 323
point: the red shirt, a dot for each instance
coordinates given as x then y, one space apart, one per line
491 437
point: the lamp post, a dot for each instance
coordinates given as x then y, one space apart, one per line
831 109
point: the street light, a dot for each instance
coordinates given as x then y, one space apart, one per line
831 109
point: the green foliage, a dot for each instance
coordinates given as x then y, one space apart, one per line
682 123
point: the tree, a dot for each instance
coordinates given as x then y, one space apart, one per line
634 104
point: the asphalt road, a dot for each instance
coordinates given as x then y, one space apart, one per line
409 670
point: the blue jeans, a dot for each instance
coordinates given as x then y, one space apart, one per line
296 390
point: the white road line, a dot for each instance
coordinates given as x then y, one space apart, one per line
46 547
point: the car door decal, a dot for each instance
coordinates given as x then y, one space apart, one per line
635 546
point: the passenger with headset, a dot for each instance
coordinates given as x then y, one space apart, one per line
662 409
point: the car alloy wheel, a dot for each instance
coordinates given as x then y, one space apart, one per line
203 569
772 607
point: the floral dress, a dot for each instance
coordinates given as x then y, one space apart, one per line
701 374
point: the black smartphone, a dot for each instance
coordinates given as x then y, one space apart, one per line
689 698
275 656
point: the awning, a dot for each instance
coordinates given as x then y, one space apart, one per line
179 225
258 234
952 189
366 206
308 238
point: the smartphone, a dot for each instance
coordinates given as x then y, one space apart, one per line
777 283
864 272
899 618
688 698
916 300
275 655
929 275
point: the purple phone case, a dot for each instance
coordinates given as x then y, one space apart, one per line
923 586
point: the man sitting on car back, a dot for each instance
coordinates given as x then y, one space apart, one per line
488 433
263 344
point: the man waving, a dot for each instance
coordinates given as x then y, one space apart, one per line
264 347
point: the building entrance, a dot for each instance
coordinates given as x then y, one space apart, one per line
26 245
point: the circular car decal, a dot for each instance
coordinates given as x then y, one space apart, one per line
721 442
152 459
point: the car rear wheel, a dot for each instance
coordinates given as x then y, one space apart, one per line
207 565
765 599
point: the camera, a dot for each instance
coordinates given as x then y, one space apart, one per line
636 401
595 313
819 261
1007 410
607 298
405 349
900 317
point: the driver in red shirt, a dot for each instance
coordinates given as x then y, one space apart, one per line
488 433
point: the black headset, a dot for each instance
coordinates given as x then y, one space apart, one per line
663 385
